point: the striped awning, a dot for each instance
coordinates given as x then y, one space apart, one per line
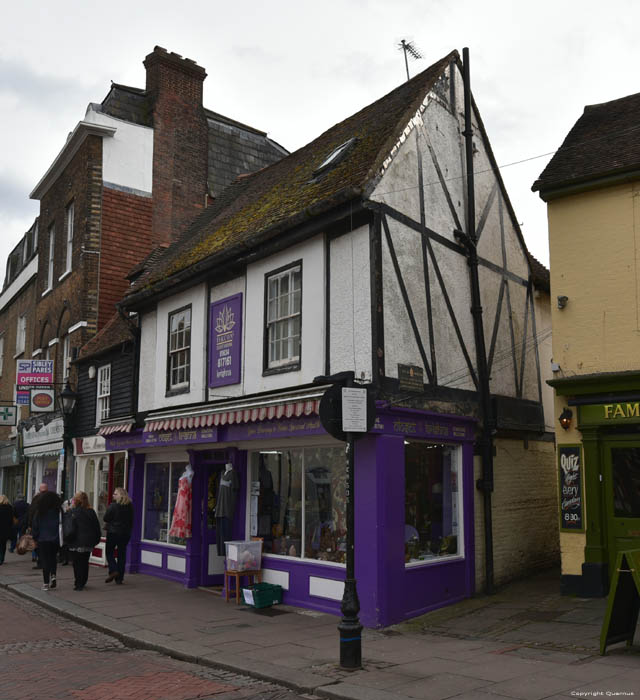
245 415
116 428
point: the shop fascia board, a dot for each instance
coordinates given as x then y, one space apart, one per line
596 384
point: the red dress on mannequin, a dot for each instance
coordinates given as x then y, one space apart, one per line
181 521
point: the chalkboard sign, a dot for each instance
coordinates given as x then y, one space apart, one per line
623 604
571 502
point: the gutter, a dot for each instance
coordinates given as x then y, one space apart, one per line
557 191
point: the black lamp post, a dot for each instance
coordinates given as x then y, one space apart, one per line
67 399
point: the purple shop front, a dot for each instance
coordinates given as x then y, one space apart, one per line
414 539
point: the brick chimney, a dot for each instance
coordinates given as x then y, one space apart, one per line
180 142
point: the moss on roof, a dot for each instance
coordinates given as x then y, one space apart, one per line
259 206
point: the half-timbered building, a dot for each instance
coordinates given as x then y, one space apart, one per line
360 252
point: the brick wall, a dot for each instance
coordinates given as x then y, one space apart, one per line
126 240
525 511
180 142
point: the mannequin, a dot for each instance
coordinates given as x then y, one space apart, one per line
225 506
181 521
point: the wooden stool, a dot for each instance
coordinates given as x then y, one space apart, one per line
237 575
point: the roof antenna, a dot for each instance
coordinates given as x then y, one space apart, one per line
409 48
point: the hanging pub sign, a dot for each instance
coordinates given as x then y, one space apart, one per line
570 480
34 372
42 400
410 378
225 341
8 415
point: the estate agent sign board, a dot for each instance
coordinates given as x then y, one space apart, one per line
34 372
570 480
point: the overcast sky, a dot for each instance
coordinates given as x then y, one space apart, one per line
294 68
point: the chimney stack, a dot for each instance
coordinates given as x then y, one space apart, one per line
180 142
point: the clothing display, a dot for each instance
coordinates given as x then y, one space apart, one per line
181 521
225 507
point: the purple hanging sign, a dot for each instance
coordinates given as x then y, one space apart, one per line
225 341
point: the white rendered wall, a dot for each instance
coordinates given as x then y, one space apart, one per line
350 304
148 336
127 157
311 253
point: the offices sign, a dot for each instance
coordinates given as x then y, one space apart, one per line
34 372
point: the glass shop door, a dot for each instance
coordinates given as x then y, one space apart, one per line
622 497
213 564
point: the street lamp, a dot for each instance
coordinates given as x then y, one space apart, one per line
67 399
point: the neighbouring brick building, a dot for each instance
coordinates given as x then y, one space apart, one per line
131 175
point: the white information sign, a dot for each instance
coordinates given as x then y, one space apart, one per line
8 415
354 410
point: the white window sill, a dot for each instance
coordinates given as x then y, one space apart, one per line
18 354
63 275
46 291
434 561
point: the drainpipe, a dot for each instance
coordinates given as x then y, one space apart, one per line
470 242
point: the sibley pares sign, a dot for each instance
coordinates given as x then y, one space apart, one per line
225 341
34 372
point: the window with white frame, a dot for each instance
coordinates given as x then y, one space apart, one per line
52 241
284 317
179 359
66 357
1 353
69 228
103 393
21 334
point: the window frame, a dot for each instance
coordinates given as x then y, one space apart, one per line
172 462
69 216
50 259
1 353
182 387
66 357
293 365
100 397
21 334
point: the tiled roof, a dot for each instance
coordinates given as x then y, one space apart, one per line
289 192
540 274
115 332
234 148
604 141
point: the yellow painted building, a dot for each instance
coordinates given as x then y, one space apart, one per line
592 190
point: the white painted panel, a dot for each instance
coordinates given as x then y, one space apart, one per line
177 564
127 157
151 558
215 564
280 578
350 303
196 297
326 588
311 253
148 331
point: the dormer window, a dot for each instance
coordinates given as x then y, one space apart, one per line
335 157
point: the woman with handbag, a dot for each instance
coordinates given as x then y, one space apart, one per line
46 532
119 523
6 525
84 536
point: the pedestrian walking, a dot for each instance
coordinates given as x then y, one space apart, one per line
118 524
85 535
46 532
30 515
20 513
6 525
63 554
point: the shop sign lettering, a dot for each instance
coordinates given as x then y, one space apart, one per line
570 479
225 322
621 410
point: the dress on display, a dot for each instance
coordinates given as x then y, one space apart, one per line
181 521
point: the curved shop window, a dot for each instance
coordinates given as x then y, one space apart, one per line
433 502
160 494
298 502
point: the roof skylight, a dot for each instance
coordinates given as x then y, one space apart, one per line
335 156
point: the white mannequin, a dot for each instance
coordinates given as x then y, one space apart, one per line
188 472
228 467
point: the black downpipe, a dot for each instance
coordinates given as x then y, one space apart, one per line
485 442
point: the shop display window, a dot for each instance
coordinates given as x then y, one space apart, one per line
160 494
50 474
626 482
433 502
298 502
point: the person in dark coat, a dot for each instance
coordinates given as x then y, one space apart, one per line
118 523
45 531
84 537
20 512
6 525
30 516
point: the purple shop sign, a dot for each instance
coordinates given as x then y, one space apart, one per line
225 341
161 438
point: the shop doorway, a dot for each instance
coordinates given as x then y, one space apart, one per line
213 564
622 497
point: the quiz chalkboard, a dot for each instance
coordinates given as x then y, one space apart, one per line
570 481
623 604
